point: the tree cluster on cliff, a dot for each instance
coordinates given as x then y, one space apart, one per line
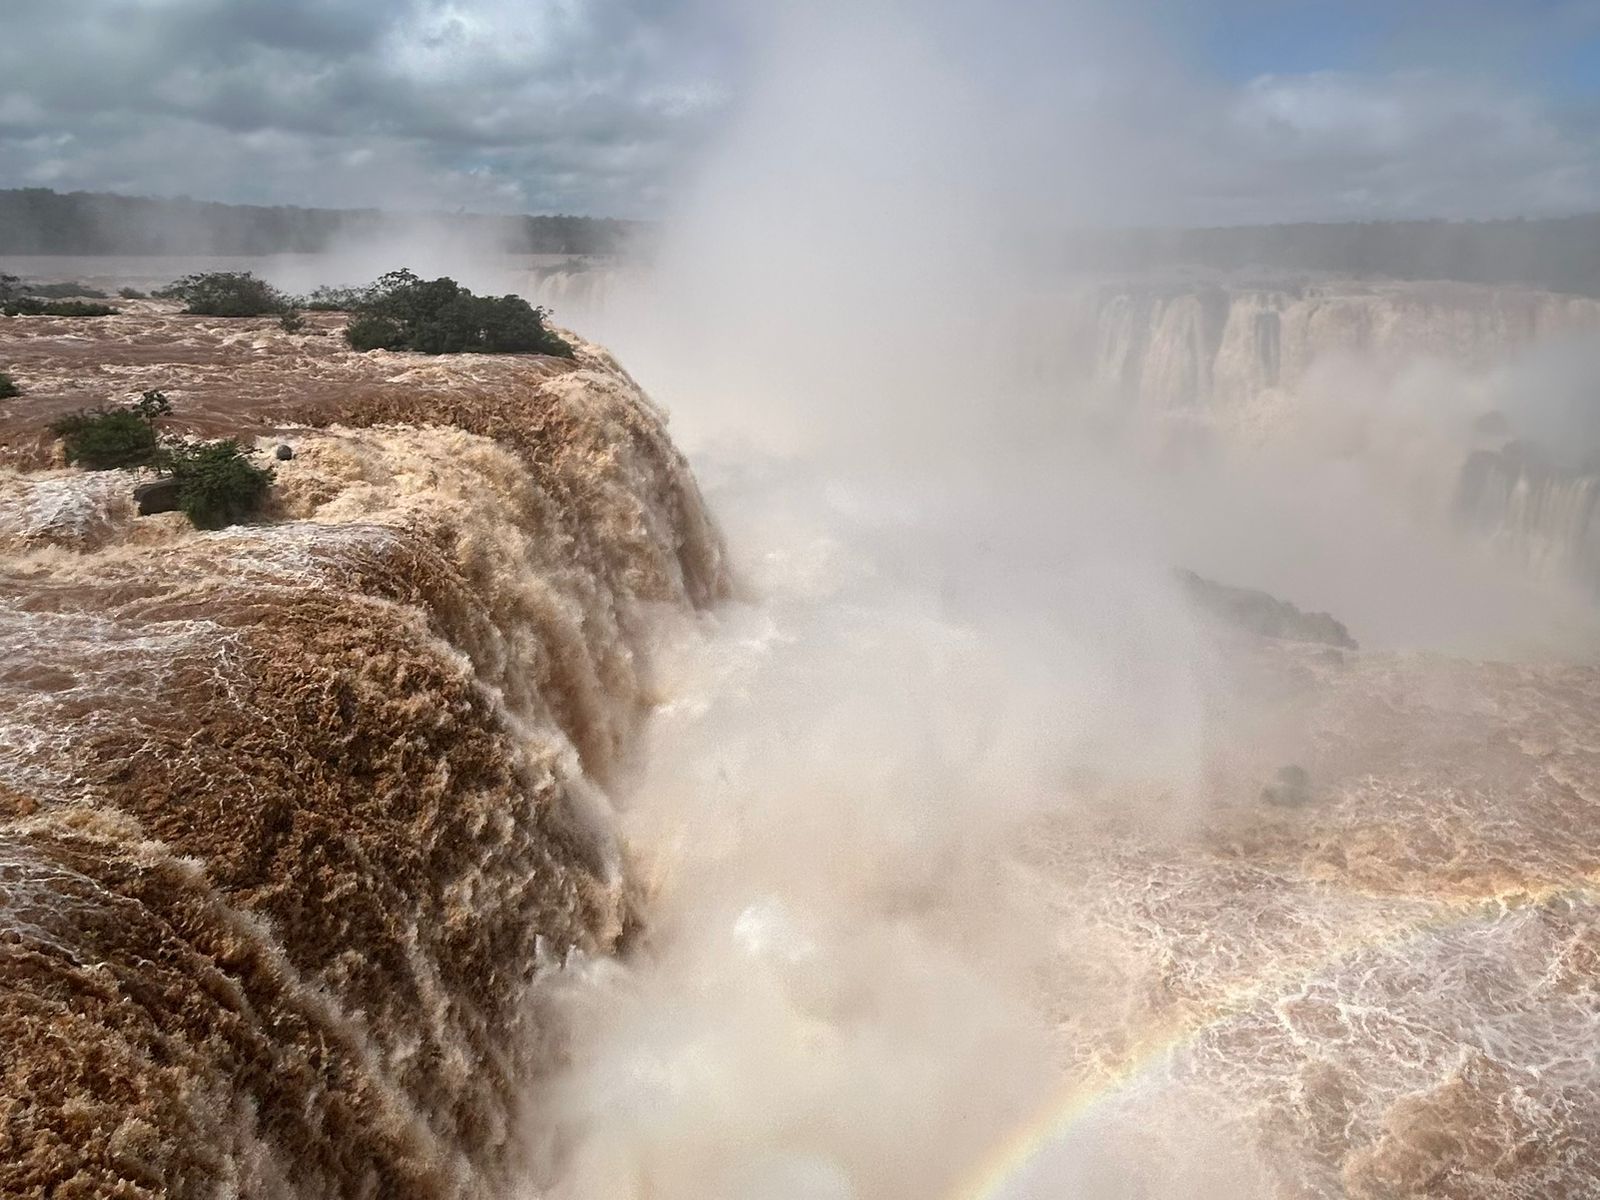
438 316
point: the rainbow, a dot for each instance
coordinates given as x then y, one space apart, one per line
1056 1121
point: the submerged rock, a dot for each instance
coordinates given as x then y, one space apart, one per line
156 496
1291 787
283 453
1264 614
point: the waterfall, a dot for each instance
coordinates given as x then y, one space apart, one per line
1539 515
295 816
1210 346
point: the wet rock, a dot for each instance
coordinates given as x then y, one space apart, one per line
283 453
1290 787
1260 613
156 496
1492 424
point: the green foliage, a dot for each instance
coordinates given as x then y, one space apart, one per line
369 331
131 293
218 485
226 294
292 321
106 438
63 291
439 316
32 306
8 386
19 299
151 405
333 299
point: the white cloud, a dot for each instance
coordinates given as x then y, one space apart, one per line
1409 144
605 105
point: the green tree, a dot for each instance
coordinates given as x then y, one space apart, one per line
64 291
107 438
226 294
439 316
218 484
32 306
333 299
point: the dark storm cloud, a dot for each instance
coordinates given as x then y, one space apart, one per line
584 106
1219 111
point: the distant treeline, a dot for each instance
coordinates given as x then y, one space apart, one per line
42 221
1559 254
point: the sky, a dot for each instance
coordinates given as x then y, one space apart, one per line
1185 111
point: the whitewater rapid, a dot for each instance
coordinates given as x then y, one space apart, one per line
969 858
973 885
295 816
473 826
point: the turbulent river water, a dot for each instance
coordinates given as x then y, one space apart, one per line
952 899
490 822
974 871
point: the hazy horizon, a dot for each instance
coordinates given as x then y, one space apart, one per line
1108 225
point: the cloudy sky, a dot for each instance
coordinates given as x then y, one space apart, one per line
1211 111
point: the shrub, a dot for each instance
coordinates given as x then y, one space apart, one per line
151 405
107 438
226 294
32 306
62 291
334 299
292 321
368 331
35 299
218 485
439 316
131 293
8 386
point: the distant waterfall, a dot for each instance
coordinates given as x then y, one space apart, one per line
1221 347
1539 514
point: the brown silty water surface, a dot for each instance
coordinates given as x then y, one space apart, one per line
294 818
1387 988
292 815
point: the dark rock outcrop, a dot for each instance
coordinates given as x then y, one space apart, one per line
156 496
1290 787
1263 614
